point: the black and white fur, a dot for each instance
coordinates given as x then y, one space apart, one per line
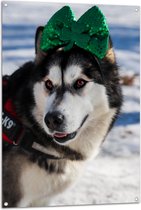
87 114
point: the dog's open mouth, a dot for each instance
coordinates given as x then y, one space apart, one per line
63 137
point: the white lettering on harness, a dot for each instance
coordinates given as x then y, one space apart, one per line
7 122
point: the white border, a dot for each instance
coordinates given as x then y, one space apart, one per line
99 207
109 2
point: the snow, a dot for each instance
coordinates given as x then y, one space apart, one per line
113 176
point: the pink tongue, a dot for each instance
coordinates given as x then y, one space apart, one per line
60 135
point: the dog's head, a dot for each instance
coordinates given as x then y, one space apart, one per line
70 90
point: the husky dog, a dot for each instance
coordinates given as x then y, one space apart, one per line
68 102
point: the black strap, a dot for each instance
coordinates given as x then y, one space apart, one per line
100 69
27 142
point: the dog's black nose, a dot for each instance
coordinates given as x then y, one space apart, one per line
54 120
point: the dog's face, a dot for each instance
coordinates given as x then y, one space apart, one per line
69 94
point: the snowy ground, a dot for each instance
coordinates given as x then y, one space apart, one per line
113 177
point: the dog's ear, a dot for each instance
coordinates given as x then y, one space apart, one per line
110 55
39 53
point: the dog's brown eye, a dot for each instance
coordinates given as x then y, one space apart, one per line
79 83
49 85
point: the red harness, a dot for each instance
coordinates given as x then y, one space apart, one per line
12 127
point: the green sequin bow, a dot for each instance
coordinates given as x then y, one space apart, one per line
90 32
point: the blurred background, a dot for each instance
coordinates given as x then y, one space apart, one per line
113 176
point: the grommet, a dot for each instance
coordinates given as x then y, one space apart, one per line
5 203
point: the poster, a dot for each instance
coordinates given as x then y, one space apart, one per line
113 176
